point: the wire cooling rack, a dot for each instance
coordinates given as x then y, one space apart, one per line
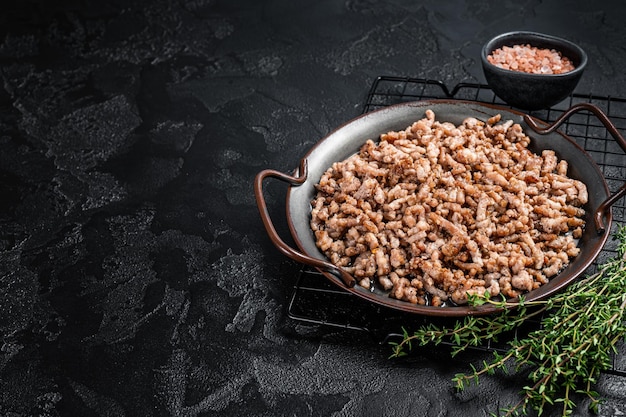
316 301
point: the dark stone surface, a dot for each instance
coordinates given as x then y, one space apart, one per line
136 278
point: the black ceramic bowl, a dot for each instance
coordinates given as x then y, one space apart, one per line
533 91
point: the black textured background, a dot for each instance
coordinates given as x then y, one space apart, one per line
136 278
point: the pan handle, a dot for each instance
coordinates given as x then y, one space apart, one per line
610 127
287 250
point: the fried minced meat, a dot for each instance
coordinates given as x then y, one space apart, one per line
436 212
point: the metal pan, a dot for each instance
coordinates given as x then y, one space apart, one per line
348 139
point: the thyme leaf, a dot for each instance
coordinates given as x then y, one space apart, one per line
574 342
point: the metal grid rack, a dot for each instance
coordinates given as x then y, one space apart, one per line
317 301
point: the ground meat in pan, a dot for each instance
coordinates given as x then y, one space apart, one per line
436 212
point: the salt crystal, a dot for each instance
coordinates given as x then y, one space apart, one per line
526 58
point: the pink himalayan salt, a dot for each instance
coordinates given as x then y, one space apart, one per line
530 59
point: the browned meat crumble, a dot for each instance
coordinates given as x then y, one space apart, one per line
436 212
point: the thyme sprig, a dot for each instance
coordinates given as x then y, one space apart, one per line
574 342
